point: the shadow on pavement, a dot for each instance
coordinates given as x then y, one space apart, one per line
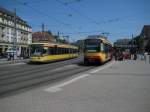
89 64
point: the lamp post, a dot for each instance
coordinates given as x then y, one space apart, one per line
15 35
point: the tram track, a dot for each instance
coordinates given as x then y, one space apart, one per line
30 75
28 72
35 67
18 81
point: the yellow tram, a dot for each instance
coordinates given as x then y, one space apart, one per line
97 50
47 52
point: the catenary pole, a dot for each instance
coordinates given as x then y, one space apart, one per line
15 34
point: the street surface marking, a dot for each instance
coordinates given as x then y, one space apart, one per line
62 68
21 63
13 64
53 90
106 66
57 88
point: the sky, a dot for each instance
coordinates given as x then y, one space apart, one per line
79 18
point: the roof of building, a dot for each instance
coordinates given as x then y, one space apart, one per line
124 40
10 13
42 36
146 31
6 11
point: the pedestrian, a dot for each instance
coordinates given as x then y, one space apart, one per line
123 55
142 56
116 55
149 59
135 56
8 56
145 56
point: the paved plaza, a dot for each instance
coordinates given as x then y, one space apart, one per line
118 86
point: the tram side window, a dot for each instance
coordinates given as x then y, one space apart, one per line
109 48
64 50
106 48
55 50
61 52
45 51
102 47
58 50
52 51
74 50
70 50
67 50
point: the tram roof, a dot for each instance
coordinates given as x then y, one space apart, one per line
102 39
105 41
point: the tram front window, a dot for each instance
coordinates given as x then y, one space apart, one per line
38 50
92 48
92 45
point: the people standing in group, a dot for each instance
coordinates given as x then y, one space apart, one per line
118 55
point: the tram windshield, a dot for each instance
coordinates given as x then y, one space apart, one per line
92 45
38 50
92 48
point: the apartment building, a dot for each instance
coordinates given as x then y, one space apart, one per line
21 38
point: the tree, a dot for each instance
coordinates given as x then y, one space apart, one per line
49 32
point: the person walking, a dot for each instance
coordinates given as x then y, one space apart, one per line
145 56
9 56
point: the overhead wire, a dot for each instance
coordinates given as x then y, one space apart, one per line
78 12
74 10
41 13
91 20
54 19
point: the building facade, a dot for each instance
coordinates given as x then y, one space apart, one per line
126 44
145 38
122 43
9 37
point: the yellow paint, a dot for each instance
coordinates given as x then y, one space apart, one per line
47 58
101 56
